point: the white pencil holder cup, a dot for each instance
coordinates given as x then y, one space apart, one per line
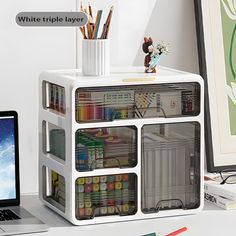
96 57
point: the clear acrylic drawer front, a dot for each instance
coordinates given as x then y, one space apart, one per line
114 147
106 195
137 102
170 167
54 189
54 141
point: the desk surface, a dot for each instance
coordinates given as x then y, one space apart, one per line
211 221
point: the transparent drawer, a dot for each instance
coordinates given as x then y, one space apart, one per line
170 167
137 102
54 140
113 147
54 188
106 195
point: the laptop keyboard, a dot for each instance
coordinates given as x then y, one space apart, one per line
8 215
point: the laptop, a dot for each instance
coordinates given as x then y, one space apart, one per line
13 218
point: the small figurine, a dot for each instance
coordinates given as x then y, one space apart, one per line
154 54
148 48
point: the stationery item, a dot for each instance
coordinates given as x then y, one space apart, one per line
51 104
164 102
109 197
97 24
57 98
187 102
106 27
61 100
177 232
93 28
95 56
102 149
90 11
220 201
83 31
88 24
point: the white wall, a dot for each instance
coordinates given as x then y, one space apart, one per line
25 52
165 20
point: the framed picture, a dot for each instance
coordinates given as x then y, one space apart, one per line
216 31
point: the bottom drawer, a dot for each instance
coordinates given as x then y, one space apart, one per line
106 195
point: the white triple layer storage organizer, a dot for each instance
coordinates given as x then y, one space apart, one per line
125 147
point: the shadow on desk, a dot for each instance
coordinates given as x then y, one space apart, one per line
33 204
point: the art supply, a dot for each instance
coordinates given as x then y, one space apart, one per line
58 188
90 11
97 24
93 28
106 195
95 49
106 27
177 232
56 98
51 104
96 150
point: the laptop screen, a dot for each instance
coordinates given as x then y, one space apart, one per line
7 159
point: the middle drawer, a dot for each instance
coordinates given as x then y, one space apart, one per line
112 147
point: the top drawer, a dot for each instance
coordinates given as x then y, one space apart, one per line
137 102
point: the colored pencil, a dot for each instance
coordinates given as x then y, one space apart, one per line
177 232
90 11
88 24
107 24
81 7
97 24
82 29
93 28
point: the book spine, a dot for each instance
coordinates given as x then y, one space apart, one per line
220 192
219 201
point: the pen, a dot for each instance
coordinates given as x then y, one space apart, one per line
177 232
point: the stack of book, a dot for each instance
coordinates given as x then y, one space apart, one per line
221 195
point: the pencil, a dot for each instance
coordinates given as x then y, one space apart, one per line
88 24
109 22
82 29
97 24
177 232
90 11
81 7
103 31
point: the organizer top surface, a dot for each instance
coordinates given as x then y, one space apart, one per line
119 76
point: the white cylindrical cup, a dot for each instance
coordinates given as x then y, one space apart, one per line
96 57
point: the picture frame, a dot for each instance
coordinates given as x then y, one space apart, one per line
216 34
